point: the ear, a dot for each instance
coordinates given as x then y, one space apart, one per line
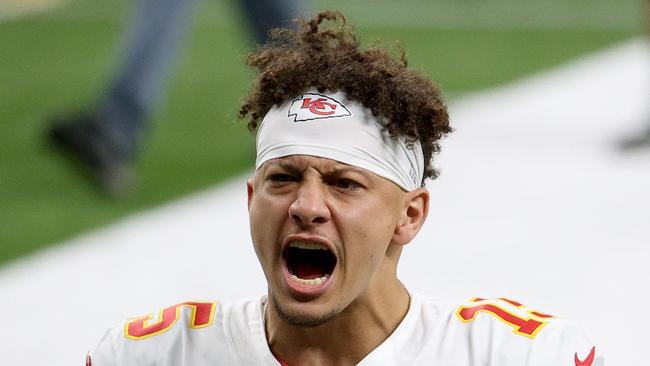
249 191
414 216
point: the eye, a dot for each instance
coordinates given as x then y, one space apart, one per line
344 183
281 178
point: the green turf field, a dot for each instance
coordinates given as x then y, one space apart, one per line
57 61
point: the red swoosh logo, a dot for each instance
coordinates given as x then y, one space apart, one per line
589 360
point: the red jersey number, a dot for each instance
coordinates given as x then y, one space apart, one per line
139 328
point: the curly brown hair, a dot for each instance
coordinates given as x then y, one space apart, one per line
329 58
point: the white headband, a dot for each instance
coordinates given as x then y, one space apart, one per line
331 126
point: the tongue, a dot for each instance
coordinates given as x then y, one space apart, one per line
307 271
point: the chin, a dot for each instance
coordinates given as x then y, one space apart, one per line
302 317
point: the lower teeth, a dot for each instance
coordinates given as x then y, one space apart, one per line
312 282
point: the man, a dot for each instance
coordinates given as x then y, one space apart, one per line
105 141
344 143
640 139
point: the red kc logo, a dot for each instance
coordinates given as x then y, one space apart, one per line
319 106
313 106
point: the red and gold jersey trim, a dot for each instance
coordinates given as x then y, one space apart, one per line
524 320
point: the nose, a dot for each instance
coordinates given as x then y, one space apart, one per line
310 206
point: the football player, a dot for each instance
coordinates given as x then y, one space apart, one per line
344 139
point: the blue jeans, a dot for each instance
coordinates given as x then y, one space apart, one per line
157 31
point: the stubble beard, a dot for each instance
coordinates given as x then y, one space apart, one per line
299 320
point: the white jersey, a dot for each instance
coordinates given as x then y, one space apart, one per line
497 332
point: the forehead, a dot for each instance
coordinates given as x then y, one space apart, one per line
321 164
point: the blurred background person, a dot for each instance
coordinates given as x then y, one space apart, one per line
105 139
642 138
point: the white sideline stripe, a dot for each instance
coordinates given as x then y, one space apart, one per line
533 203
493 15
11 9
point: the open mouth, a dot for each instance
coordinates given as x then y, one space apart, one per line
309 263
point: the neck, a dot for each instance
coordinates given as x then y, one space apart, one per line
349 336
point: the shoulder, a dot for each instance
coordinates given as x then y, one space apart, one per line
513 333
182 334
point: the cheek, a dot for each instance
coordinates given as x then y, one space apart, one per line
266 220
369 233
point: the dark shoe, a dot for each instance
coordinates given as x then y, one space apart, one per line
639 141
81 140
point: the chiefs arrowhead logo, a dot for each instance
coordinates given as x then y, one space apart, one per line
311 106
589 360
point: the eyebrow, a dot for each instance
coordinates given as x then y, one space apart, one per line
346 169
288 167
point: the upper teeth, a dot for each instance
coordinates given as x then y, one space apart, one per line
308 245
